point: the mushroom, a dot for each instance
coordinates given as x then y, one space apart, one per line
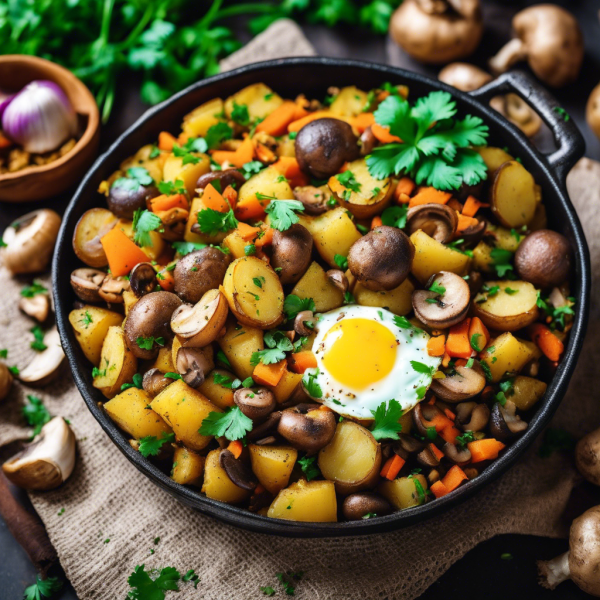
194 364
357 506
6 381
473 234
47 462
124 198
504 423
150 317
368 141
475 282
304 323
237 471
44 367
580 562
112 289
265 429
592 111
436 220
517 111
30 241
256 404
382 258
549 39
409 443
154 382
471 416
422 415
427 457
142 279
464 76
339 279
306 427
324 145
198 272
587 456
37 307
313 198
201 324
445 302
459 456
464 384
291 253
544 258
86 283
226 177
437 32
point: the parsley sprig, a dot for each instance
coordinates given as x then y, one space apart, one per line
233 424
277 345
43 588
144 222
283 213
387 420
212 221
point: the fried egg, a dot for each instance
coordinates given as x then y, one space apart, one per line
366 356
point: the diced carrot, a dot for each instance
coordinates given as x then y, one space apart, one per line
363 121
166 141
222 156
460 362
211 198
163 203
5 142
376 222
486 449
249 209
546 341
259 489
457 344
288 166
472 205
247 232
466 223
269 374
449 434
230 194
440 422
438 489
235 448
166 280
265 239
392 467
453 478
436 346
298 124
277 122
477 328
121 252
446 359
244 154
429 195
264 154
183 137
438 453
383 134
450 414
300 361
403 190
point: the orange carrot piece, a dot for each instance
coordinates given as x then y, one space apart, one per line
277 122
288 166
249 209
429 195
221 156
438 453
266 239
363 121
166 141
486 449
406 185
546 341
477 328
211 198
465 223
235 448
438 489
244 154
446 360
449 434
458 344
269 374
450 414
247 232
230 194
472 205
376 222
298 124
300 361
392 467
121 252
5 142
166 280
436 346
259 489
453 478
440 422
383 134
163 203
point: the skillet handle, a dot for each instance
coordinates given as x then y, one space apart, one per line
568 138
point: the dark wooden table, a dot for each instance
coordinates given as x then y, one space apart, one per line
481 572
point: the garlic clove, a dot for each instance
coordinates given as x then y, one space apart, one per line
46 364
37 307
47 462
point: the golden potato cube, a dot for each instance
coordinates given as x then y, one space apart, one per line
238 344
527 391
316 285
201 119
513 195
117 366
286 386
236 244
273 465
164 361
398 300
141 158
217 484
260 99
129 299
188 467
218 394
200 238
268 182
306 501
402 492
482 257
509 356
90 324
350 102
174 169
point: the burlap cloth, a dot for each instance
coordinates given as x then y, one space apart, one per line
108 499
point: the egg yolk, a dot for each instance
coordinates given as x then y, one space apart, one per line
359 352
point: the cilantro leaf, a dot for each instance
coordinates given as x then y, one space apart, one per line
144 222
38 335
475 342
376 15
267 590
250 168
387 420
309 467
151 445
312 388
395 216
233 424
341 262
222 358
283 213
147 343
212 221
184 248
136 177
292 305
170 189
35 413
138 381
465 438
420 367
437 288
33 290
240 114
348 180
217 134
144 588
43 588
501 260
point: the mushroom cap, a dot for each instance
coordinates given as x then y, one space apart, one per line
464 76
465 384
306 427
592 111
584 548
86 283
587 456
256 404
226 177
356 506
291 252
438 221
45 365
198 272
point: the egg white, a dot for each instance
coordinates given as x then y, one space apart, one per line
400 384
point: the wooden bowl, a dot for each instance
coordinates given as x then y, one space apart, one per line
39 183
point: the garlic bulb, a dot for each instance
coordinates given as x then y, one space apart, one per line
40 117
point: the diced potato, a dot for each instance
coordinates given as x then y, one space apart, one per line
352 460
268 182
200 238
509 356
316 285
164 361
253 305
201 119
507 310
217 484
117 365
260 100
482 257
236 244
527 391
505 239
432 257
188 467
217 393
129 410
93 224
90 324
333 233
174 169
157 244
184 409
536 353
273 465
513 195
286 386
350 102
402 492
494 158
238 344
306 501
129 299
141 158
398 300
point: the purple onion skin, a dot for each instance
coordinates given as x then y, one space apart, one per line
4 104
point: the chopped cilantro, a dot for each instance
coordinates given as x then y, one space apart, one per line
561 112
87 319
309 467
475 342
250 250
502 260
35 413
420 367
395 216
144 222
312 388
147 343
137 383
151 445
486 370
292 305
4 353
277 344
222 358
212 221
171 375
437 288
32 290
349 298
283 213
387 420
465 438
43 588
145 588
38 342
348 180
170 189
218 133
233 424
240 114
341 262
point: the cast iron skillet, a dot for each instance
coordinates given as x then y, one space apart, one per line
313 76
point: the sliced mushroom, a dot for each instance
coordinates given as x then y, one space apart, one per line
459 456
445 309
199 325
112 289
409 443
504 422
265 429
86 284
30 241
306 427
464 76
428 458
6 381
517 111
37 307
47 462
473 234
225 178
174 222
368 141
339 279
154 382
142 279
267 441
436 220
423 414
475 282
313 198
194 364
237 471
464 384
304 323
256 404
471 416
44 367
357 506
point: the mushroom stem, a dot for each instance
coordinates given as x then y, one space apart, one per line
555 571
510 54
45 365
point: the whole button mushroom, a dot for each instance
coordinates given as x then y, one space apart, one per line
154 382
549 38
587 456
464 76
358 506
464 384
124 197
324 145
142 279
306 427
544 258
381 260
292 251
256 404
198 272
314 199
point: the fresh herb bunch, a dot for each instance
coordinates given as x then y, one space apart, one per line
100 40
